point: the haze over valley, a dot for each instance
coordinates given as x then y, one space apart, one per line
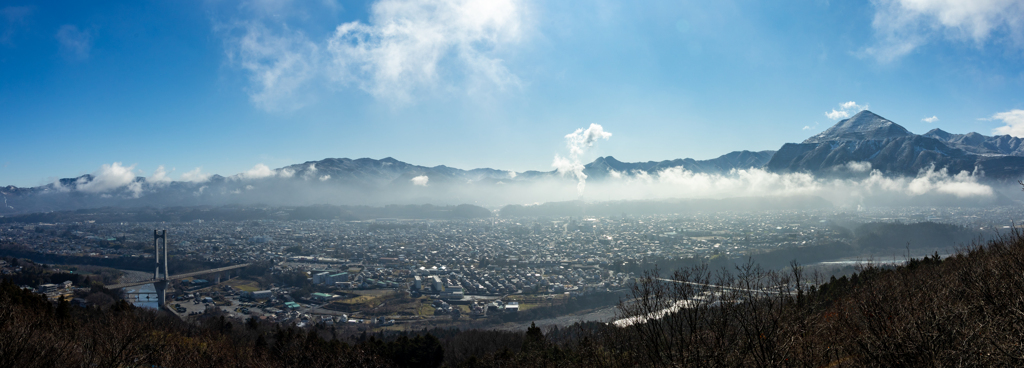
865 160
512 183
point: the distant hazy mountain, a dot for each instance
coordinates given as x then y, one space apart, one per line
851 148
891 149
604 166
981 144
361 181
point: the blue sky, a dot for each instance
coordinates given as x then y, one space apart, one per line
223 86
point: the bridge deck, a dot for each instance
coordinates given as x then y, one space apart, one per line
177 277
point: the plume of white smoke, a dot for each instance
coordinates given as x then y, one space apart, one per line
578 143
420 180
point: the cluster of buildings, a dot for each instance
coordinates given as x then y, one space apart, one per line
455 259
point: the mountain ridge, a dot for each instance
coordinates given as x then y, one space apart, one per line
892 149
362 177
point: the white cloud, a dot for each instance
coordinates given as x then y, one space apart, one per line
257 172
511 174
807 127
680 183
325 178
836 114
404 46
109 177
861 167
1014 120
279 64
846 110
420 180
58 186
901 26
407 48
195 176
159 177
285 173
75 44
930 120
310 172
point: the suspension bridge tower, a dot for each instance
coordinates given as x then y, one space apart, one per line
160 282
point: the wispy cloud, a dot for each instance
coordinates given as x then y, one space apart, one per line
420 180
280 64
930 120
12 17
407 48
75 44
901 26
159 177
1014 120
403 47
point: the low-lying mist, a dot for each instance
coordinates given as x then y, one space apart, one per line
852 185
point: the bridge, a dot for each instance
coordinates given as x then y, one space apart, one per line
160 283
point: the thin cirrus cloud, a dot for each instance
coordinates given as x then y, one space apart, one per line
12 19
75 44
406 48
902 26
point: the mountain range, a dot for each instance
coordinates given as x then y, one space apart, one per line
891 149
864 143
